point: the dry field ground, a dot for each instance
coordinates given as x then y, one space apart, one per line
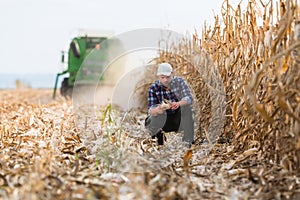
242 73
50 151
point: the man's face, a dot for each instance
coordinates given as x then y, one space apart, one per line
165 80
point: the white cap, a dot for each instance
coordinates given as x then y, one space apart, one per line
164 69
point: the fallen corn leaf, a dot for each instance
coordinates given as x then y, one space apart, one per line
187 157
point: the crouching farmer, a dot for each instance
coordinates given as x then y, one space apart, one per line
169 106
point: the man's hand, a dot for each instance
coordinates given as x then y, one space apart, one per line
175 105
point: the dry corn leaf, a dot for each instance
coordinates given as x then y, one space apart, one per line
39 144
187 157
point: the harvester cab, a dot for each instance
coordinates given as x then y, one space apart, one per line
87 56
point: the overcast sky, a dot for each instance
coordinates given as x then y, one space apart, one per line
33 32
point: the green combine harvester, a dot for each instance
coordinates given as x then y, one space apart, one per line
88 55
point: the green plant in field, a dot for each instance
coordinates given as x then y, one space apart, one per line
107 115
111 154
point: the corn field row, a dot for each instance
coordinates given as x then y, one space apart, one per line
255 68
244 73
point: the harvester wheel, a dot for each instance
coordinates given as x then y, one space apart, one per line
66 89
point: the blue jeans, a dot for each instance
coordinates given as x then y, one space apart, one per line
181 120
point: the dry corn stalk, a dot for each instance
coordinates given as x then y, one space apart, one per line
259 66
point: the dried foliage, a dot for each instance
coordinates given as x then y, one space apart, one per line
258 67
51 150
48 151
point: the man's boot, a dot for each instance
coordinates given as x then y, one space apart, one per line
160 138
